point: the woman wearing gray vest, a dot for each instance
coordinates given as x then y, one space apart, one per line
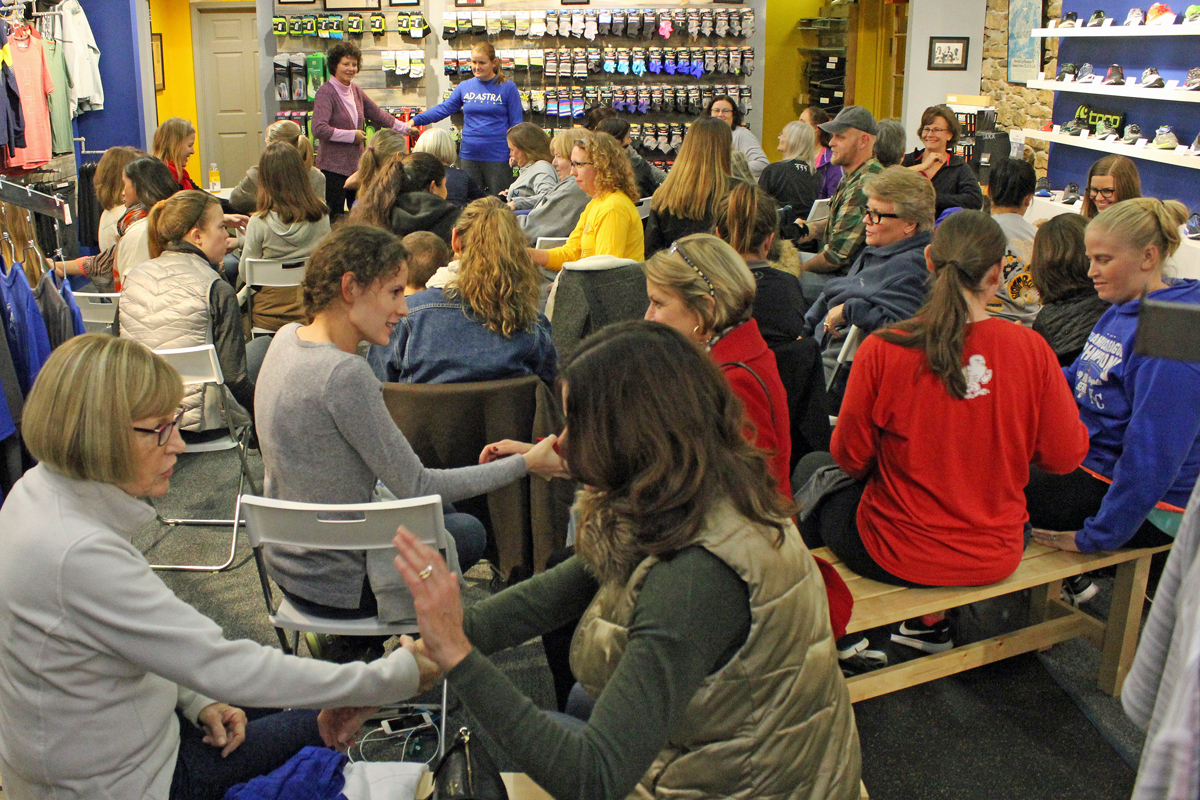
705 634
177 299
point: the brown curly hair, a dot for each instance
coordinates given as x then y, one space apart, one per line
368 253
614 172
496 277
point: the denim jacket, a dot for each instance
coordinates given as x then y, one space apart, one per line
442 341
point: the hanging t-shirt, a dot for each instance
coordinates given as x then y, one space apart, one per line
85 91
60 100
35 85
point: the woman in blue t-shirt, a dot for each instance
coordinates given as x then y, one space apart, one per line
490 105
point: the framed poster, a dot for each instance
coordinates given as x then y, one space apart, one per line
351 5
948 53
156 58
1024 51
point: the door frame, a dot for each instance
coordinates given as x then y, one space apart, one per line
204 133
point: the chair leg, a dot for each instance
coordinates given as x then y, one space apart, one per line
445 713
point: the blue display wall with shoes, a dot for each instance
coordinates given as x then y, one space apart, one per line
1172 56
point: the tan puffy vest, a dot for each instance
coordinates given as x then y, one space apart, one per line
774 722
164 304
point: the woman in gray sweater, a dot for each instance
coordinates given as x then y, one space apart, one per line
327 436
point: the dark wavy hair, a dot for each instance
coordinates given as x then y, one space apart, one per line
341 50
152 180
368 253
413 174
658 437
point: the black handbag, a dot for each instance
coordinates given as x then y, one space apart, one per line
467 772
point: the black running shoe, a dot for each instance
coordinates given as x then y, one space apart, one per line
856 656
1069 20
1043 188
1074 127
1133 132
1151 79
926 638
1079 589
1071 194
1096 20
1115 76
1065 70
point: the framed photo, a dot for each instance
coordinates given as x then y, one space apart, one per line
1024 51
948 52
404 2
351 5
156 58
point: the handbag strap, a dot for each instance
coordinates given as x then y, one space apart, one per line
761 383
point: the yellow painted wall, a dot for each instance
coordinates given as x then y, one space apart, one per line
173 19
781 66
868 71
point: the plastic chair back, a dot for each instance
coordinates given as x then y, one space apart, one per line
195 364
99 311
274 271
356 526
643 207
549 242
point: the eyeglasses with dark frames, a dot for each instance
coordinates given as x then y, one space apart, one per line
1108 193
874 217
580 164
163 432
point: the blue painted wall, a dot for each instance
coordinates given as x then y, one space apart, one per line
1173 56
114 25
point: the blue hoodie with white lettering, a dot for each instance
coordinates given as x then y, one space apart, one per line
1143 419
489 109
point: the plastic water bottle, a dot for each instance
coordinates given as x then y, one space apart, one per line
214 178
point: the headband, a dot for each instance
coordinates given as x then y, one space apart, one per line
712 290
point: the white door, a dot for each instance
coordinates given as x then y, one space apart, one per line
227 96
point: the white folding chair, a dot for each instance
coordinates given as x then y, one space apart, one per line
548 242
273 272
199 365
355 526
643 207
845 356
99 311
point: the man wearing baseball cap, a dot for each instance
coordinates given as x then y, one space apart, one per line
852 140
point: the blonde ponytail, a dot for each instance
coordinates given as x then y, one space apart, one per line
1144 222
171 219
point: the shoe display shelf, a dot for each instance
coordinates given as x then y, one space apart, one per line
1136 91
830 84
1147 153
1118 30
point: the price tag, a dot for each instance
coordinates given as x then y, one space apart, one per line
1069 79
1140 143
1108 21
1057 128
1182 149
1041 76
1053 23
1084 134
1131 80
1172 84
1112 137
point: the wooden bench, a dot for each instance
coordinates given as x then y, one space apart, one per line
1051 620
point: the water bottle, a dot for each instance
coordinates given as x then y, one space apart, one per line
214 178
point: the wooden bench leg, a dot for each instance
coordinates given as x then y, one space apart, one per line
1124 624
1040 600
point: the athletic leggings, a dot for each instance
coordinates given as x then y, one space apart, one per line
1064 503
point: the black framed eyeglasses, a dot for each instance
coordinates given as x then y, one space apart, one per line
1107 194
163 432
874 217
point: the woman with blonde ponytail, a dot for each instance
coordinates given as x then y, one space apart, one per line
942 417
385 147
177 299
482 323
1143 413
244 198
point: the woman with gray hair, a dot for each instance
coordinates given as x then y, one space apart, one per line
890 143
889 280
461 188
793 181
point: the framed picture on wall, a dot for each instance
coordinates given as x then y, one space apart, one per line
405 2
1024 51
351 5
156 59
948 52
295 2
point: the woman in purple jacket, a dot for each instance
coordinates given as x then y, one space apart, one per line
490 105
340 112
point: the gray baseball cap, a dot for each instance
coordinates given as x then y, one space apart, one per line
852 117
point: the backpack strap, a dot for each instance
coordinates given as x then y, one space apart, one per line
761 383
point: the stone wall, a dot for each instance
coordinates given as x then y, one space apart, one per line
1017 106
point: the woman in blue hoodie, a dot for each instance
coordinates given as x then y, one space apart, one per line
1142 413
490 105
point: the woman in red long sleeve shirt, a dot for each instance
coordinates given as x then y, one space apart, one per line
942 417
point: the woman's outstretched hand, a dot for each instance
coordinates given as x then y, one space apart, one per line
434 590
541 458
1063 540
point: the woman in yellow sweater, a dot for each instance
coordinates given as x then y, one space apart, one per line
609 225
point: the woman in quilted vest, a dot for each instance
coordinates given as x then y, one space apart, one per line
177 299
705 635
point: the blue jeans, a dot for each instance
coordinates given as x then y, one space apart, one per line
272 737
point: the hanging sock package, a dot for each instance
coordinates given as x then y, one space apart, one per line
297 71
315 67
282 84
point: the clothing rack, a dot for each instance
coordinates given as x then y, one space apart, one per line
31 200
83 151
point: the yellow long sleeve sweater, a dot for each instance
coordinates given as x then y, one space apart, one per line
608 226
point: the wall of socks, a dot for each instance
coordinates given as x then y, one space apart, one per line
659 64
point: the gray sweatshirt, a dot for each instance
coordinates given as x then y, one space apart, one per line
326 436
557 212
97 652
532 182
271 237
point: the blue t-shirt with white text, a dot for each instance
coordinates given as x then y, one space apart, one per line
489 109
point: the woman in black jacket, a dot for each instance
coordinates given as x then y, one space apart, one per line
408 196
687 200
952 178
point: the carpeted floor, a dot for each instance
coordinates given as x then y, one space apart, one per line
1031 727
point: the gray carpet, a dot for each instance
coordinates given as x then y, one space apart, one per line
1031 727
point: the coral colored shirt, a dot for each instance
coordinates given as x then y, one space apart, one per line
35 85
944 503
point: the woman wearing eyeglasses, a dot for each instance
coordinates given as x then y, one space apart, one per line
1110 180
610 224
118 687
950 174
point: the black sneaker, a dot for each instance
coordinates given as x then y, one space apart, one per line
856 656
1079 590
1074 127
1151 79
1193 80
1096 20
1115 76
1133 132
1085 74
927 638
1043 188
1070 197
1065 70
1069 20
1103 129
